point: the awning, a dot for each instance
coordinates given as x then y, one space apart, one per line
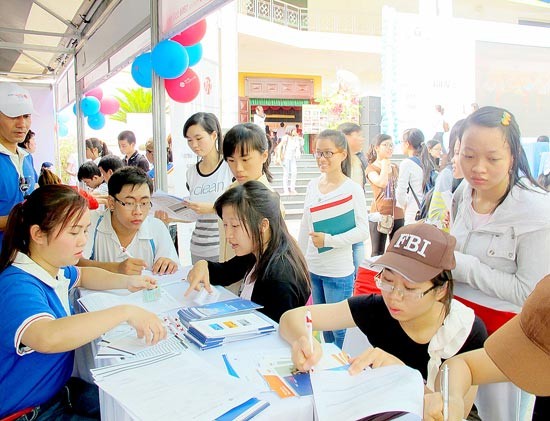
279 102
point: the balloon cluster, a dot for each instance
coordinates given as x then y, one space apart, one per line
95 107
172 60
62 129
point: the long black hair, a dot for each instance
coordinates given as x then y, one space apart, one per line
339 139
210 123
253 202
49 207
504 120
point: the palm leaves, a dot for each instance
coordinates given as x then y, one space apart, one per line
137 100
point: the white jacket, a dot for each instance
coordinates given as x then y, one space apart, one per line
499 263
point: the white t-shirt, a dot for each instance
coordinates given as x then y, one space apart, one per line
259 120
337 262
205 240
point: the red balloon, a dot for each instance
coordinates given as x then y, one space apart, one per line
191 35
184 88
96 92
109 105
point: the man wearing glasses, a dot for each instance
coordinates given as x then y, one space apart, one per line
17 177
124 239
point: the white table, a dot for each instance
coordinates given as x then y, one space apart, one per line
299 408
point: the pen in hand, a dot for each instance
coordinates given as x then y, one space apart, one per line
309 328
445 391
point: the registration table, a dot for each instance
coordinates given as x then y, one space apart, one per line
295 408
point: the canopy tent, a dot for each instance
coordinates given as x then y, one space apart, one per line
102 36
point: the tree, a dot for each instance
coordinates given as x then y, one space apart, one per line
136 100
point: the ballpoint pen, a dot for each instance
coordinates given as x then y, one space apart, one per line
309 327
445 391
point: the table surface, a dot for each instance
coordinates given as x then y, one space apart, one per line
298 408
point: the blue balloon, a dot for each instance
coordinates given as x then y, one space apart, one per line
142 70
90 105
74 108
96 121
170 60
62 130
195 53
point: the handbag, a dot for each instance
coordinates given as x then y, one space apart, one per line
385 224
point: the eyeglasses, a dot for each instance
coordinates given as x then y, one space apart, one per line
325 154
145 205
406 294
149 151
387 145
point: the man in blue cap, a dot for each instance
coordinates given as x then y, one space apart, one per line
17 174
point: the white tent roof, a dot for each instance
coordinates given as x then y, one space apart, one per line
37 38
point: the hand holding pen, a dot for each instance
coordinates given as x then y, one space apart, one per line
131 266
306 351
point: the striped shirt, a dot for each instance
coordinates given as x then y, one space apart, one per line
205 240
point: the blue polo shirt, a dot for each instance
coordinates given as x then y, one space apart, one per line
10 194
27 294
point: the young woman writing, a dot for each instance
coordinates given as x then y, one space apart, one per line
414 321
44 238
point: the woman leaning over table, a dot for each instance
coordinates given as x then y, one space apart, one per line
414 321
44 239
274 270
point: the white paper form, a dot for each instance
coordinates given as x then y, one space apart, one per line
102 300
173 387
170 278
343 397
173 206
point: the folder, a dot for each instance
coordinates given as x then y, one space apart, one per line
333 217
215 332
218 309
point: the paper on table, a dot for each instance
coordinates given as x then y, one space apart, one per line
135 346
279 372
102 300
170 278
173 206
172 386
340 396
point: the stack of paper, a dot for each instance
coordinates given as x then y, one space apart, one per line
338 395
212 310
102 300
215 332
172 387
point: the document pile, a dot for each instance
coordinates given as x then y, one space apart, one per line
211 333
162 303
173 386
212 310
373 394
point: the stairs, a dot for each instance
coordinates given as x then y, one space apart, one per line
307 170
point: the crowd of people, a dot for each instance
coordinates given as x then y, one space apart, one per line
463 281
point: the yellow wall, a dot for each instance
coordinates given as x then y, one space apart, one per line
317 81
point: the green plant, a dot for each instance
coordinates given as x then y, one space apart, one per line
136 100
